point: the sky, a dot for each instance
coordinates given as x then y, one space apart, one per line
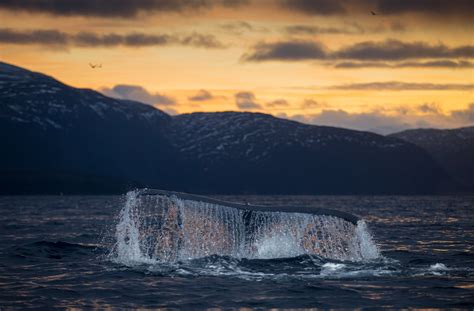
378 65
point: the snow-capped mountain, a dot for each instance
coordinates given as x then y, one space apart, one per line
59 138
222 135
56 132
452 148
248 151
30 97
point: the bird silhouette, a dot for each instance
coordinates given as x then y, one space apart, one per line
373 13
94 66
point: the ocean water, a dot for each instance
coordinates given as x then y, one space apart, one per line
115 251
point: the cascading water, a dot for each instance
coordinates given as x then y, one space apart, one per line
160 228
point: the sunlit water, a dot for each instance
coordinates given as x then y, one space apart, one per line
95 252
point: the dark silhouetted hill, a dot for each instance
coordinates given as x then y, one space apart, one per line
453 149
57 138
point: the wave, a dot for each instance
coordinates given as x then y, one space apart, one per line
52 250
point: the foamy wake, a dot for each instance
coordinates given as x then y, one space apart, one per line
154 229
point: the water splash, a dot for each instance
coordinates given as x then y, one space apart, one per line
154 229
438 267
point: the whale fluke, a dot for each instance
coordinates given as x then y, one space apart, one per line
249 207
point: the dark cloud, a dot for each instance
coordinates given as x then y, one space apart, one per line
200 40
398 26
315 7
461 8
311 103
278 103
388 50
48 37
315 30
397 50
91 39
286 51
403 86
240 27
458 7
112 8
348 28
429 108
461 64
465 115
138 93
246 100
135 8
202 95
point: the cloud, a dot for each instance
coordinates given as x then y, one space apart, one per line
370 121
138 93
392 49
348 28
240 27
91 39
398 26
311 103
278 103
113 8
47 37
387 121
202 95
137 8
446 63
315 7
200 40
403 86
388 50
441 7
246 100
461 8
429 108
465 115
315 30
286 51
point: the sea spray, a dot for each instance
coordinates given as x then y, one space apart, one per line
127 234
161 228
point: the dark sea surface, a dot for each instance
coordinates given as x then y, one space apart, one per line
55 253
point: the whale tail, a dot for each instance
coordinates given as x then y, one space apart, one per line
158 225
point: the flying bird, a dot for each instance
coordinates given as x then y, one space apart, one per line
373 13
94 66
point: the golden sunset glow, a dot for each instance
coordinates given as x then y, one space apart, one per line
214 50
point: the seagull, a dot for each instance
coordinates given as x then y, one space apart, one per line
94 66
373 13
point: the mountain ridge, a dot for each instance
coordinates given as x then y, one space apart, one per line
57 128
453 149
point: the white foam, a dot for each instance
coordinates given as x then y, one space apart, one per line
438 267
278 245
128 234
331 268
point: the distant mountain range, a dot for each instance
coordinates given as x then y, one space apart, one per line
57 138
452 149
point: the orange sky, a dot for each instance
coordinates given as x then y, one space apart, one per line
308 87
